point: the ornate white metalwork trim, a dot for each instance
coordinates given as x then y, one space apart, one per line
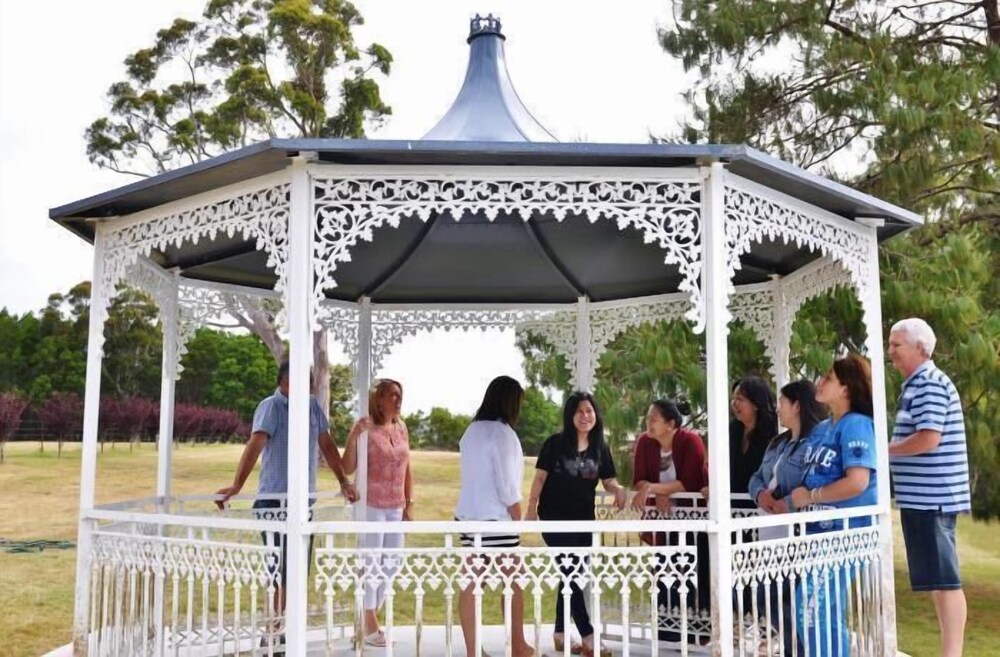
812 281
389 327
754 212
350 208
197 305
259 214
342 323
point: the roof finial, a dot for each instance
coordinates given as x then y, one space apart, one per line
479 26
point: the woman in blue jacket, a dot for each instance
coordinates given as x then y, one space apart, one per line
781 472
840 473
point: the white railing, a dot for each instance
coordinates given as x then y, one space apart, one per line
177 577
814 591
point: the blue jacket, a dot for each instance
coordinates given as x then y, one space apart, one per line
792 469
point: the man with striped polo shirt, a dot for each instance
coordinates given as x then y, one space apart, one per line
930 472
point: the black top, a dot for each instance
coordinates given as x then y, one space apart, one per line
569 490
743 466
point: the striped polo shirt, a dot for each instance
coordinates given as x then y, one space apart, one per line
937 480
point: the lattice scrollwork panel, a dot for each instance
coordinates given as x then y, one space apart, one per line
260 215
389 327
667 213
342 323
559 330
801 287
199 306
608 323
754 214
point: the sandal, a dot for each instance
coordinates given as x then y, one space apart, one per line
376 639
560 646
588 651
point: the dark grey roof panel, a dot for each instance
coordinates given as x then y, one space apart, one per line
272 155
488 108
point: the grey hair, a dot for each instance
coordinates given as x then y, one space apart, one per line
918 333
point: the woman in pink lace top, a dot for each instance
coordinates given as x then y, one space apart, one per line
389 495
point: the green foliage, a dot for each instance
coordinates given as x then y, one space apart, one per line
45 353
898 100
540 418
908 89
226 371
341 401
440 429
245 71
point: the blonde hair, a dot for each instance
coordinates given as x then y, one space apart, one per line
376 392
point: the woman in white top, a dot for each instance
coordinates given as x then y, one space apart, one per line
492 468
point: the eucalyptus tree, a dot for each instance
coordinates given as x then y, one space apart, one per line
244 71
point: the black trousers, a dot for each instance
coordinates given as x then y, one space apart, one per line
577 604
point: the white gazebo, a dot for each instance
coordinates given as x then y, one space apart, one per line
486 222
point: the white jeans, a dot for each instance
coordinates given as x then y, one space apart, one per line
380 568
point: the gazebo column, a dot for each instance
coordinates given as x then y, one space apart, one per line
584 375
88 458
299 296
715 281
362 382
874 343
779 342
168 383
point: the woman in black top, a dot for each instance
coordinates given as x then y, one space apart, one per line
567 471
754 424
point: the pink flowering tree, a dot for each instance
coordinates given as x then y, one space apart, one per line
11 409
62 416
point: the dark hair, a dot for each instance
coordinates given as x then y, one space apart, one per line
502 401
811 412
595 437
675 411
855 372
376 392
283 369
759 393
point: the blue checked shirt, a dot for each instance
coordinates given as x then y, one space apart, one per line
271 417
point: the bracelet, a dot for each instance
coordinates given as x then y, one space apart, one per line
816 495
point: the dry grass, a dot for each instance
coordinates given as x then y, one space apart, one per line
39 497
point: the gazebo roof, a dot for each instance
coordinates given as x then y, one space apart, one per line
488 108
470 260
506 259
275 154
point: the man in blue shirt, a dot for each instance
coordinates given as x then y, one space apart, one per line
930 470
269 436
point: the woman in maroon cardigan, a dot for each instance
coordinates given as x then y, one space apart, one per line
671 459
668 459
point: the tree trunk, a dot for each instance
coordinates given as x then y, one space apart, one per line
321 370
262 325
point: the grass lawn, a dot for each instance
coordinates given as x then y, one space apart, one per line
38 500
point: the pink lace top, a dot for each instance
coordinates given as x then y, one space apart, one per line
388 455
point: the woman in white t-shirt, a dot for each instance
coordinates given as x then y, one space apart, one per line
492 468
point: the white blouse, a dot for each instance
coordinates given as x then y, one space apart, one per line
492 468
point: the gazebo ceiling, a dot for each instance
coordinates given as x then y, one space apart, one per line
476 260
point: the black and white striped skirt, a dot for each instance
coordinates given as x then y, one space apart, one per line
490 540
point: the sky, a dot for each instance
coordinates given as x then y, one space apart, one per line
590 70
